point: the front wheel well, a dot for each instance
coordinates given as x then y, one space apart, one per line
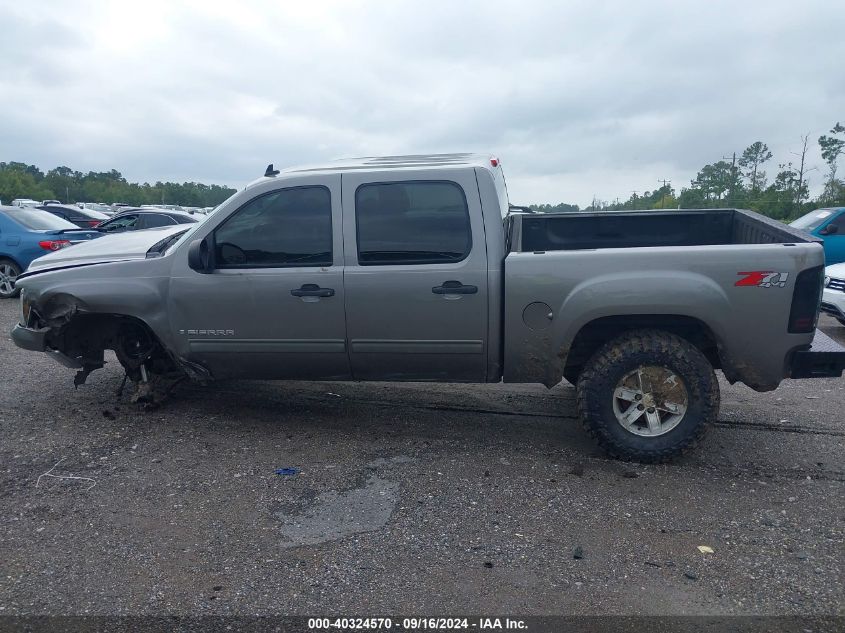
86 336
599 331
9 258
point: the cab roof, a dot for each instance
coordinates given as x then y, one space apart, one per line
379 163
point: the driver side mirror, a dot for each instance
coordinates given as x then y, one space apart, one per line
201 256
830 229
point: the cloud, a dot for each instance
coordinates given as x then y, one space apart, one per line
578 99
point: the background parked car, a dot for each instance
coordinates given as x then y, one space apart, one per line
139 219
24 202
833 298
96 206
83 218
828 225
28 233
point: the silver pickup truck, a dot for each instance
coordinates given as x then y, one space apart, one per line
416 268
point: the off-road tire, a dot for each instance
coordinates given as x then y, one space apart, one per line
614 360
15 267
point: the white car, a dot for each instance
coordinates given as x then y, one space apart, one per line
833 298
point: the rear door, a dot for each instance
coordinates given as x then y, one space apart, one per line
416 276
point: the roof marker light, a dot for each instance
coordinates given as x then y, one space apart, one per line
494 161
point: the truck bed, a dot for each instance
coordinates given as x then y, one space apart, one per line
631 269
630 229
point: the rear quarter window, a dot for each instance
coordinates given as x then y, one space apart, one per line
152 220
37 220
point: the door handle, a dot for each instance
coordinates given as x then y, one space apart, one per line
312 290
454 288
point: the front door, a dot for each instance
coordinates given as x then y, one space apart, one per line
273 305
415 277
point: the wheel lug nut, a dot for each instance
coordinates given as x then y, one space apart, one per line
640 407
638 397
651 409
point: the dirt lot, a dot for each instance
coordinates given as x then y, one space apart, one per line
411 498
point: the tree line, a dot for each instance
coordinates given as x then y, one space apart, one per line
742 181
19 180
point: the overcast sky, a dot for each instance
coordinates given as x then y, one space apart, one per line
576 98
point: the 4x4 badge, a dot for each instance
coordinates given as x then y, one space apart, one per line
763 279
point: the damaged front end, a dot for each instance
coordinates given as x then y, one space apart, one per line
77 338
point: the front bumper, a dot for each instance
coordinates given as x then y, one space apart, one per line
824 359
36 341
833 302
31 339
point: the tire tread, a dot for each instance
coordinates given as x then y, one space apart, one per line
635 343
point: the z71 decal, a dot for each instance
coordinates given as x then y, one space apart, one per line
763 279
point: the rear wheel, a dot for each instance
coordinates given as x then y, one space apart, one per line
647 396
9 272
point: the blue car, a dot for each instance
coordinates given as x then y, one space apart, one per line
829 226
26 234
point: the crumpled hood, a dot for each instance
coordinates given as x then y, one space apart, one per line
109 248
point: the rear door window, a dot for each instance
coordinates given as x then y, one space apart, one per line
416 222
152 220
285 228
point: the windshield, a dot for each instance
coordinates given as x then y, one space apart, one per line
37 220
178 237
813 220
160 248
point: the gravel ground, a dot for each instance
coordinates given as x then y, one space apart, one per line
411 498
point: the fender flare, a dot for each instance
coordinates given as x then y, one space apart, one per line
675 293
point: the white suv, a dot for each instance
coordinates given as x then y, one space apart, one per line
833 299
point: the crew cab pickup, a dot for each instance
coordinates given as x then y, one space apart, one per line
417 268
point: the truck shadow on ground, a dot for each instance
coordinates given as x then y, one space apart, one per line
442 413
503 419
